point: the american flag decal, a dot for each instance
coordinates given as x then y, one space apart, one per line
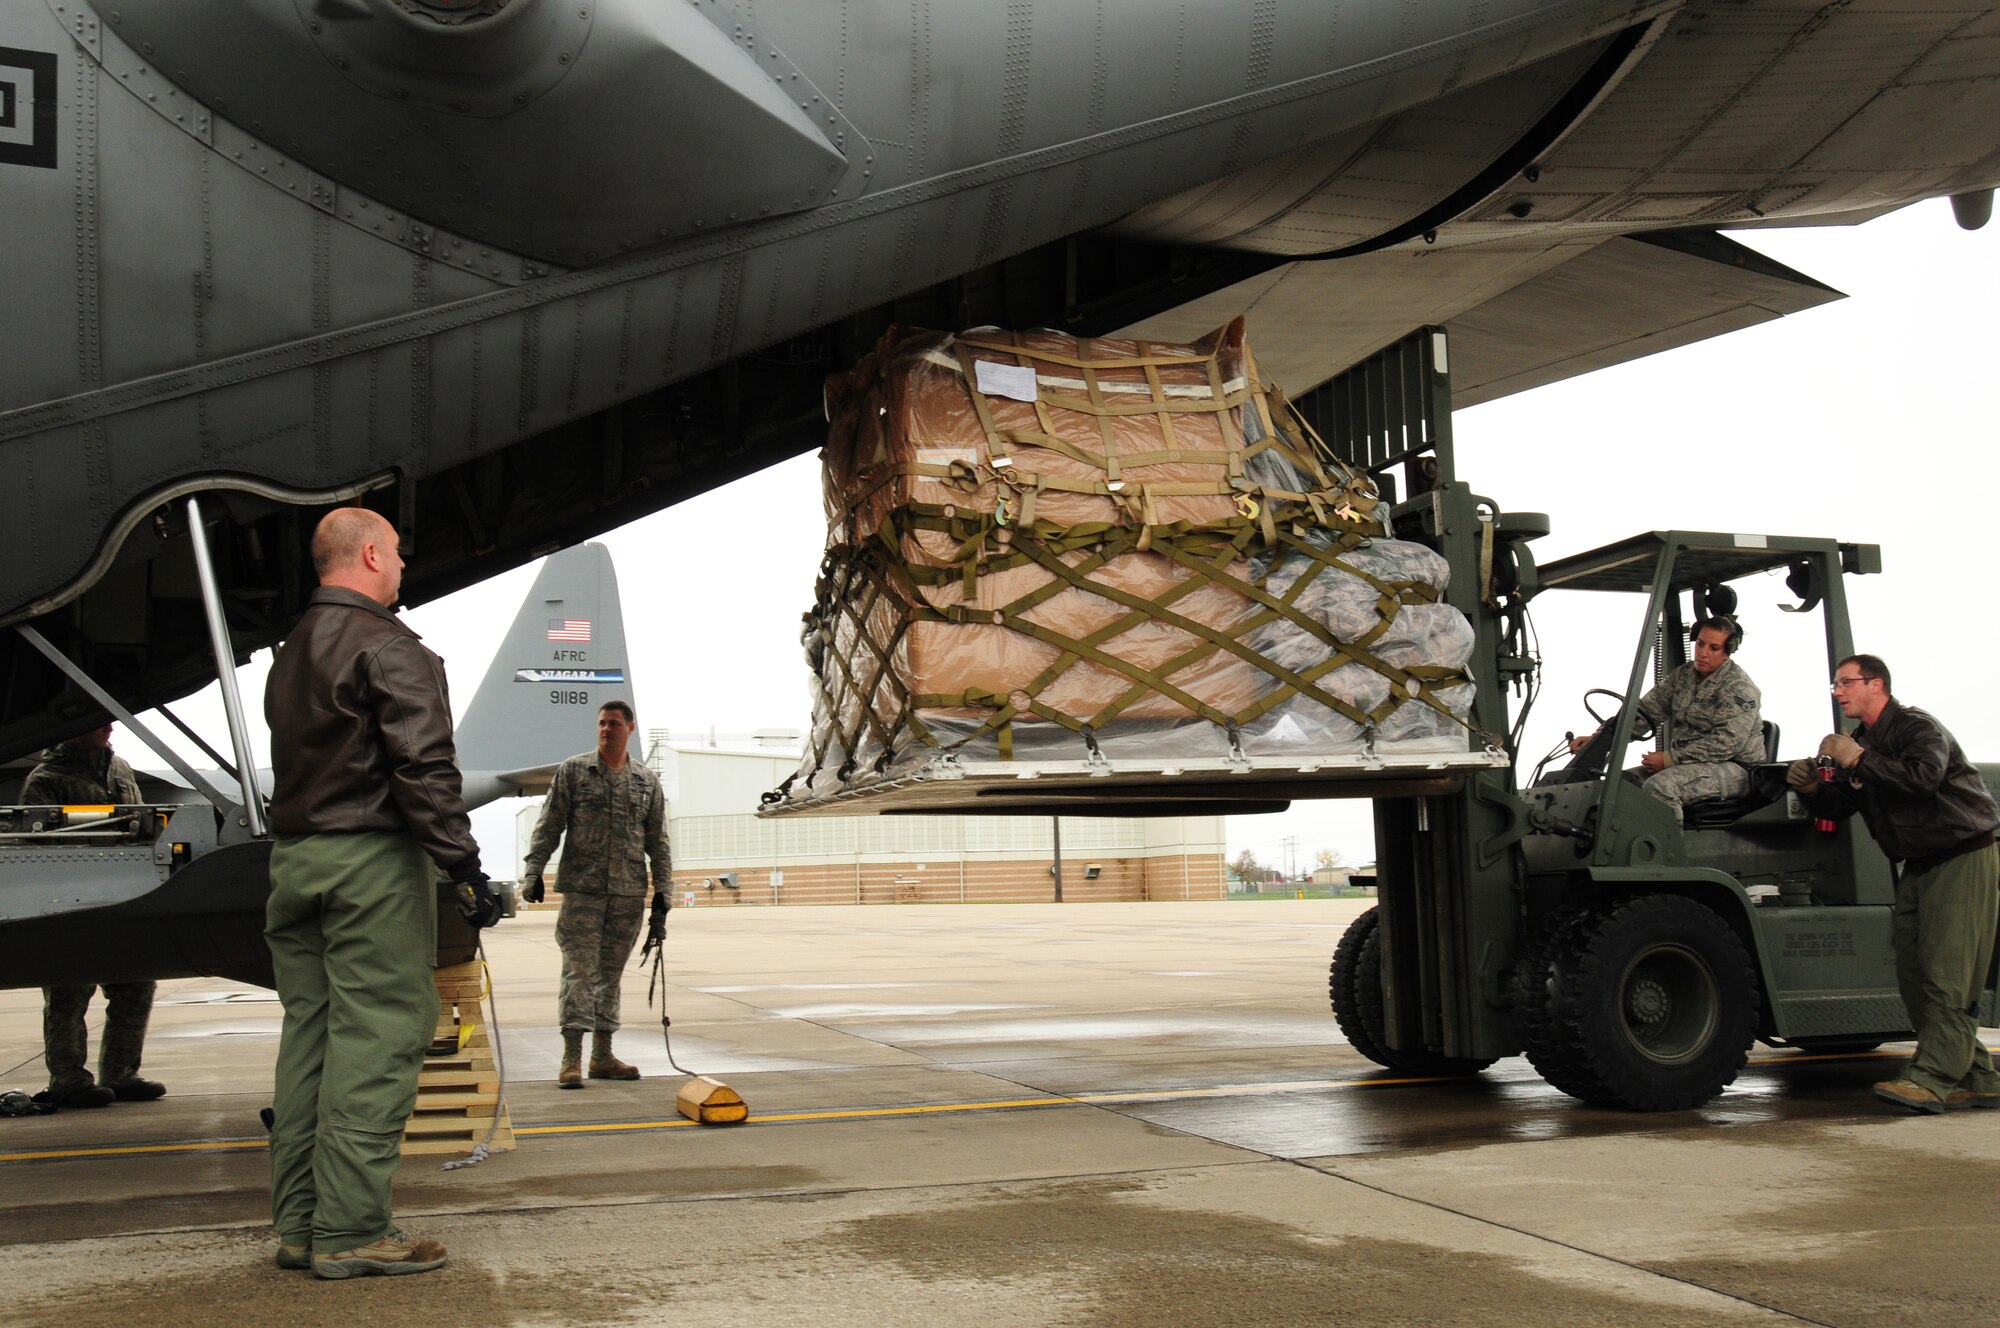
569 629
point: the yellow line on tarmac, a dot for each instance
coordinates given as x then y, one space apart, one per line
868 1113
786 1118
998 1104
130 1150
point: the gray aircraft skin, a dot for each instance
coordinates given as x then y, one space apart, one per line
518 271
90 905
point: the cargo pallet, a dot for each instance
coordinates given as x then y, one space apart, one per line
1218 786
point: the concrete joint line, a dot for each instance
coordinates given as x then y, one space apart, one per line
1562 1244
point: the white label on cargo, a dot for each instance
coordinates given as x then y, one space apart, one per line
944 456
1005 380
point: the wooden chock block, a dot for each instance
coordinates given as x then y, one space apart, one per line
458 1089
711 1102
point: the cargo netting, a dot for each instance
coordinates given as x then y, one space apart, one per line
1042 548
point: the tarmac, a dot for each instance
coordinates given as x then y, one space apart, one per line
1086 1114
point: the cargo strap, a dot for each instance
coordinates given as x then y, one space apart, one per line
1222 401
929 561
1071 556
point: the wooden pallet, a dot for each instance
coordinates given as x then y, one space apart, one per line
458 1092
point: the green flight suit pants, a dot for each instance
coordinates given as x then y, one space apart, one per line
1942 929
352 925
66 1042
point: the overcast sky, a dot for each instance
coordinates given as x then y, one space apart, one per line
1869 419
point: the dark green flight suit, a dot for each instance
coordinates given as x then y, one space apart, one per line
1927 805
73 773
366 796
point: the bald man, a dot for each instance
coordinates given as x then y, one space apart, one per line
367 797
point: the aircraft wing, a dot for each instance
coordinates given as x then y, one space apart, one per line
517 283
1521 315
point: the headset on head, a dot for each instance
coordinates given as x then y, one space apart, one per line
1730 642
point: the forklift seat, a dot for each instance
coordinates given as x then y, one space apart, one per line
1767 785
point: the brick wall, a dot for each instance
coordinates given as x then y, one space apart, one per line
1170 876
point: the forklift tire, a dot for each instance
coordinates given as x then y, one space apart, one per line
1545 959
1657 1004
1354 984
1344 991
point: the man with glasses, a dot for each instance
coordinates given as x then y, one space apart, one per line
1927 806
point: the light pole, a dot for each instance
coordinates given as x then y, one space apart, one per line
1056 871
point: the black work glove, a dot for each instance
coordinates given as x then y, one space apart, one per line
656 924
531 893
477 903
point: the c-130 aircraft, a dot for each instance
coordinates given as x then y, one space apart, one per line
515 272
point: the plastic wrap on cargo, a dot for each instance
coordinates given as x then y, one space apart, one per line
1434 639
1042 548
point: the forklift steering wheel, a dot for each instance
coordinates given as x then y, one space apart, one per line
1602 720
1589 761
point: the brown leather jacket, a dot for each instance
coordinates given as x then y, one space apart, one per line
361 732
1921 798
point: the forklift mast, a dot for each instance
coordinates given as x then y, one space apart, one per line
1450 882
1470 879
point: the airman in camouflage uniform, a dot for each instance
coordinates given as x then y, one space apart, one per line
1712 714
84 771
611 815
1713 717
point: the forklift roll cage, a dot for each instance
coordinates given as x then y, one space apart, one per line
1489 893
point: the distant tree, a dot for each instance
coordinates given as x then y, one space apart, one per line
1246 866
1327 857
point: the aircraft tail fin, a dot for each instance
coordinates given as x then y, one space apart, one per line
562 659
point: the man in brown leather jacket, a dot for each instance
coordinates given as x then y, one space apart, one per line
1927 806
367 796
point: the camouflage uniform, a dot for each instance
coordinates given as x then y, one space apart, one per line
609 822
1715 733
75 773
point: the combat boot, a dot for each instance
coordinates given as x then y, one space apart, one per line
610 1067
571 1073
1905 1093
84 1095
1984 1098
136 1089
604 1065
393 1255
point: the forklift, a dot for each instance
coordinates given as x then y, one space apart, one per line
1566 913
